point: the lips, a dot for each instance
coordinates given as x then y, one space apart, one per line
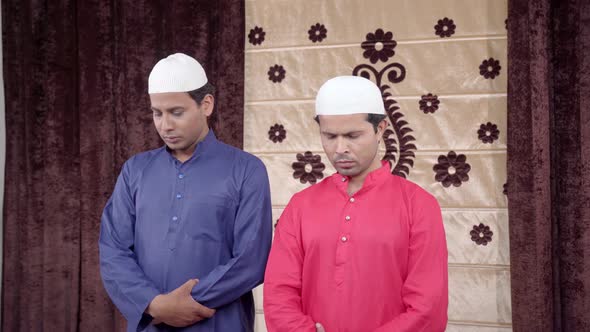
345 163
171 139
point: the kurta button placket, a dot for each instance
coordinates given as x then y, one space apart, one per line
174 228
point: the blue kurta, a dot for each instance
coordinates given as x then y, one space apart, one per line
167 222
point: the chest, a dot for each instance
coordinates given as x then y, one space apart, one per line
364 222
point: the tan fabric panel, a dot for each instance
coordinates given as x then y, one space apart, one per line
479 294
464 327
483 190
258 293
454 126
463 250
279 123
307 69
259 325
347 21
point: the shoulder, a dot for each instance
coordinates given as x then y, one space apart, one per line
309 196
421 204
238 156
142 159
248 172
134 166
413 190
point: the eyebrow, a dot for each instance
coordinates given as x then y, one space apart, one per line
343 134
172 109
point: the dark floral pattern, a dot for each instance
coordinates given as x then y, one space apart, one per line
256 36
481 234
398 137
488 132
277 133
276 73
429 103
308 168
390 145
317 33
445 28
379 46
452 169
490 68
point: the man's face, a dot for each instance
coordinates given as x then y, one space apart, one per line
180 122
350 142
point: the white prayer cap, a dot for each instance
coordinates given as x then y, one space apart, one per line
176 73
345 95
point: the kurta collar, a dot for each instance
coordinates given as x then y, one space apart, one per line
371 180
202 147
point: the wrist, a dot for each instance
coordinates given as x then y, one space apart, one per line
153 308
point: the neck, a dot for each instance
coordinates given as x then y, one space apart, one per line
356 181
184 154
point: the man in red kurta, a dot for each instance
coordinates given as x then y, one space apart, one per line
363 250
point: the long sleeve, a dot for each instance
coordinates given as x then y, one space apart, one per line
126 283
282 286
425 290
252 239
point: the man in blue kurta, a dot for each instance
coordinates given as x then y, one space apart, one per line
186 233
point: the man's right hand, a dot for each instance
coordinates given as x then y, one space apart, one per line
319 327
178 308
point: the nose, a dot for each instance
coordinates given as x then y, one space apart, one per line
341 145
166 123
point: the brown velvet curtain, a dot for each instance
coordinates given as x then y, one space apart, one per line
549 163
75 76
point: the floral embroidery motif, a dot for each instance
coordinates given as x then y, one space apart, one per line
256 36
276 73
379 46
488 132
481 234
308 168
445 28
490 68
452 169
317 32
277 133
429 103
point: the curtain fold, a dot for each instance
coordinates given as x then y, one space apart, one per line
549 164
77 107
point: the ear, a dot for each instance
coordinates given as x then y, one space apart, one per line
207 105
381 127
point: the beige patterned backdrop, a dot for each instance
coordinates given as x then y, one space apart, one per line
442 69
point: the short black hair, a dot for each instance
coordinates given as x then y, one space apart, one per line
374 119
200 93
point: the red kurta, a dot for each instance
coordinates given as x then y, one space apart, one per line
374 261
